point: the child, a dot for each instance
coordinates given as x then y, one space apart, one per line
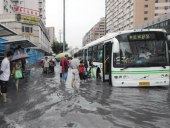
82 71
17 73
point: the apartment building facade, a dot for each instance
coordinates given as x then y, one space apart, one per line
97 31
6 6
128 14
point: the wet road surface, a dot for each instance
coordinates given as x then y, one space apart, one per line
43 102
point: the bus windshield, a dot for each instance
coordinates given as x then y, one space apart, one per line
141 49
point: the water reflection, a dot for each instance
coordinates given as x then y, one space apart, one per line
45 102
142 107
168 98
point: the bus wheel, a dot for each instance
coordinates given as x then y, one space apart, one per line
98 75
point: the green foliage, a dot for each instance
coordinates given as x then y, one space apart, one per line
58 47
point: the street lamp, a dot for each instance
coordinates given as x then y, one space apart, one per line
63 25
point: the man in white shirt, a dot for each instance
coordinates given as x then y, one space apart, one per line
74 64
46 65
5 74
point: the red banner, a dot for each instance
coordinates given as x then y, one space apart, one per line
22 10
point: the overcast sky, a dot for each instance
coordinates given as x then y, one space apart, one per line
81 16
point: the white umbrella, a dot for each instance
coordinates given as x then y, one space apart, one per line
19 56
61 55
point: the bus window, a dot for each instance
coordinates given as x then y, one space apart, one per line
100 53
169 50
90 51
141 49
95 52
80 54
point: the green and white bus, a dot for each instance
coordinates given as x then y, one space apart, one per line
132 58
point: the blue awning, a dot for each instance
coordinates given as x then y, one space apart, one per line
2 40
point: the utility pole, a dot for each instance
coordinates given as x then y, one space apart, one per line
60 35
64 26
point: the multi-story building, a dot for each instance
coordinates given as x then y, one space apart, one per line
97 31
161 22
6 6
27 21
162 7
38 5
51 31
128 14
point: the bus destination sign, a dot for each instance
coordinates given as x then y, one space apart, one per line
141 36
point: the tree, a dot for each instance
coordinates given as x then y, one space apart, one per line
58 47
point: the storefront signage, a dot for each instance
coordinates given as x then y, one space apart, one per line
27 19
22 10
30 19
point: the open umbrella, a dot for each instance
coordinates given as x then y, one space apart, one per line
19 56
61 55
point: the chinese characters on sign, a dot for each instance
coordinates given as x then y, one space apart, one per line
142 36
22 10
27 19
139 37
30 19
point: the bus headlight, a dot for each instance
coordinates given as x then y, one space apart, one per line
166 75
125 77
162 75
121 77
115 77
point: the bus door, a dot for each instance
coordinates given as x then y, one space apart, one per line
107 50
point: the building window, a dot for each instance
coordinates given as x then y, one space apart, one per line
156 1
145 18
146 6
27 29
146 12
166 7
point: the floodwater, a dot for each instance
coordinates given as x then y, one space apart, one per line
43 102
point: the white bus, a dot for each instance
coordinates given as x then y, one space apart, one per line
132 58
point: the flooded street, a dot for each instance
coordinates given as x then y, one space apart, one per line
43 102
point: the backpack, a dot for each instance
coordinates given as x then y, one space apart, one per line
81 69
65 66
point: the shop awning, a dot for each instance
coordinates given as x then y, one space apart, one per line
2 40
22 43
39 49
4 31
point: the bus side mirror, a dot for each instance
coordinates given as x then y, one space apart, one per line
116 48
168 37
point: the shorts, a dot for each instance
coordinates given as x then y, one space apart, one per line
3 85
75 74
